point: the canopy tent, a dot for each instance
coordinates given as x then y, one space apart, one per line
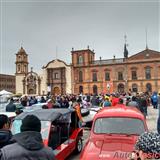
4 92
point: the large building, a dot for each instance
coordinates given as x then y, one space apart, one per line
7 82
55 77
137 73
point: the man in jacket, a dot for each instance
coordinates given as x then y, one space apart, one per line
5 133
29 144
11 107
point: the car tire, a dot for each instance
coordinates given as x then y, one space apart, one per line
84 112
79 145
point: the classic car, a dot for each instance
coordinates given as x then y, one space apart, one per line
114 133
59 129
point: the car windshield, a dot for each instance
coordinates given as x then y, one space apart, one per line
45 126
119 125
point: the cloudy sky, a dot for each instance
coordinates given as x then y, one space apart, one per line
49 29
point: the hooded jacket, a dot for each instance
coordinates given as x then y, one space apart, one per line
5 137
28 146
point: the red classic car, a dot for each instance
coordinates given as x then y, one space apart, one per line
114 133
59 131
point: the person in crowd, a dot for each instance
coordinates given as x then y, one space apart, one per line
18 111
11 107
31 101
143 105
24 101
94 101
29 144
106 103
50 104
128 100
120 103
5 133
64 102
148 146
133 102
42 100
44 107
115 99
78 111
154 100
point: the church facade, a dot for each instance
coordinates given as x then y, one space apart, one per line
54 78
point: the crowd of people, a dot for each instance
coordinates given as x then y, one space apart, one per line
30 139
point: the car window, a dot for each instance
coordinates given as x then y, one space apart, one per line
45 127
66 118
119 125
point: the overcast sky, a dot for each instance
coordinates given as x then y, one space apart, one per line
42 26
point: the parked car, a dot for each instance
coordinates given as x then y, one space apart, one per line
114 133
59 130
88 115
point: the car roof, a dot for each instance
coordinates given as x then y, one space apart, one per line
46 114
9 114
124 111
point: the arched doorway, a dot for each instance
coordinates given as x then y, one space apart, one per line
121 88
31 91
80 89
148 87
95 90
134 88
56 91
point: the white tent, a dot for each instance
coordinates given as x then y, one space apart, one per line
4 92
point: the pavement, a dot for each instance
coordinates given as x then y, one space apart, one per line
152 119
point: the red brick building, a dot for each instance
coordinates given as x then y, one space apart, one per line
139 72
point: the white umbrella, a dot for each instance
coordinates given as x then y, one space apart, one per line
4 92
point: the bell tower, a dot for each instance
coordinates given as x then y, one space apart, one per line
21 69
21 62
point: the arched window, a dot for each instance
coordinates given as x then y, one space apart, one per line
80 76
94 77
148 87
148 72
80 59
80 89
19 68
134 87
95 90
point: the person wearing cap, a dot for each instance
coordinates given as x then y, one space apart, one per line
5 133
29 144
148 146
